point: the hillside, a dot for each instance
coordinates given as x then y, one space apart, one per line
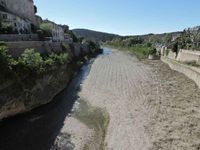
94 35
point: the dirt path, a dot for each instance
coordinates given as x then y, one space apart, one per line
150 106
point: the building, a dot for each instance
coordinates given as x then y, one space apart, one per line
24 9
17 24
54 31
57 33
19 15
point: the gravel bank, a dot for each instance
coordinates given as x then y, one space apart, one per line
150 106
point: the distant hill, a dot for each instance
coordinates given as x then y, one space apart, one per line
94 35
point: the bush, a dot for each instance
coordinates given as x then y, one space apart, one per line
59 58
46 28
152 51
6 28
5 57
3 44
175 47
32 60
65 46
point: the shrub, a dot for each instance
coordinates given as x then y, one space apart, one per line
3 44
5 57
175 47
32 60
47 28
6 28
65 46
59 58
152 51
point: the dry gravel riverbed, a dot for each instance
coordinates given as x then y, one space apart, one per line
150 107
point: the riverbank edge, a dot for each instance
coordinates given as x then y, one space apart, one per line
190 72
41 91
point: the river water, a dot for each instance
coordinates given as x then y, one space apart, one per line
38 129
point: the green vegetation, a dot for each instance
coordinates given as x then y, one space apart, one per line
136 46
94 35
31 61
92 45
73 36
65 46
189 39
96 119
152 51
46 29
175 47
6 28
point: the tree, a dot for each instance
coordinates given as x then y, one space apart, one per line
47 28
175 47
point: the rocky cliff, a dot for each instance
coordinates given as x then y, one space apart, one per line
24 91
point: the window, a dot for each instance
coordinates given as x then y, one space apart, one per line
4 16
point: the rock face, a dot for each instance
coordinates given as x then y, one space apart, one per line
23 92
18 96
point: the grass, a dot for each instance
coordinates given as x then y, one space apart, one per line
96 119
140 51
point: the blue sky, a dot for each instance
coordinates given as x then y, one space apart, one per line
124 17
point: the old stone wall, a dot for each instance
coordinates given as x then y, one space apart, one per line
172 55
18 37
44 47
190 72
18 24
188 56
77 49
22 8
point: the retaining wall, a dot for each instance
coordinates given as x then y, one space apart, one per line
172 55
191 72
45 47
16 48
188 56
19 37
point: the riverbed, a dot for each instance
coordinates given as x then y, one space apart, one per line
115 102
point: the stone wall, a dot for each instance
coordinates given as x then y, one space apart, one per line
172 55
22 8
18 24
191 72
19 37
188 56
44 47
77 49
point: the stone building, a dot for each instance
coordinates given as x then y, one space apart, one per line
17 24
18 15
21 8
57 33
